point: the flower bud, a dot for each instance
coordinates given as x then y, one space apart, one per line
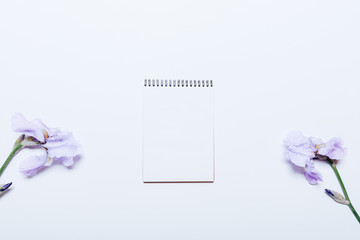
4 187
30 142
19 140
337 197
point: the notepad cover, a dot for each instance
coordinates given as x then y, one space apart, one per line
178 132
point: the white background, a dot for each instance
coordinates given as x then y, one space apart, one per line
277 66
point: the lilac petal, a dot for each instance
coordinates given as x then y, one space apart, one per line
299 148
333 149
296 138
40 124
21 125
58 138
63 148
311 174
337 154
31 165
305 149
297 159
316 141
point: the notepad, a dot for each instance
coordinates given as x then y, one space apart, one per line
178 131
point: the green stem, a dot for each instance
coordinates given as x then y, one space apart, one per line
17 147
333 166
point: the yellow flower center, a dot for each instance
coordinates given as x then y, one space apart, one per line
46 134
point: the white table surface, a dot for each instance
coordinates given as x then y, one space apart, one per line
277 66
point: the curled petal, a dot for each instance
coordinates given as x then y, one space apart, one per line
21 125
311 174
31 165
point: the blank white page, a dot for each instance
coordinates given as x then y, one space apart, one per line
178 131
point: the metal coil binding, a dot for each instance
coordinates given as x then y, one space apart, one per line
177 83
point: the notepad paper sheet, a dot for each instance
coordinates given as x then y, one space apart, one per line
178 134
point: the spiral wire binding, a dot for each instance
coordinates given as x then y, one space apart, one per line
178 83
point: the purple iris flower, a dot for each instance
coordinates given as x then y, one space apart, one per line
302 151
59 145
